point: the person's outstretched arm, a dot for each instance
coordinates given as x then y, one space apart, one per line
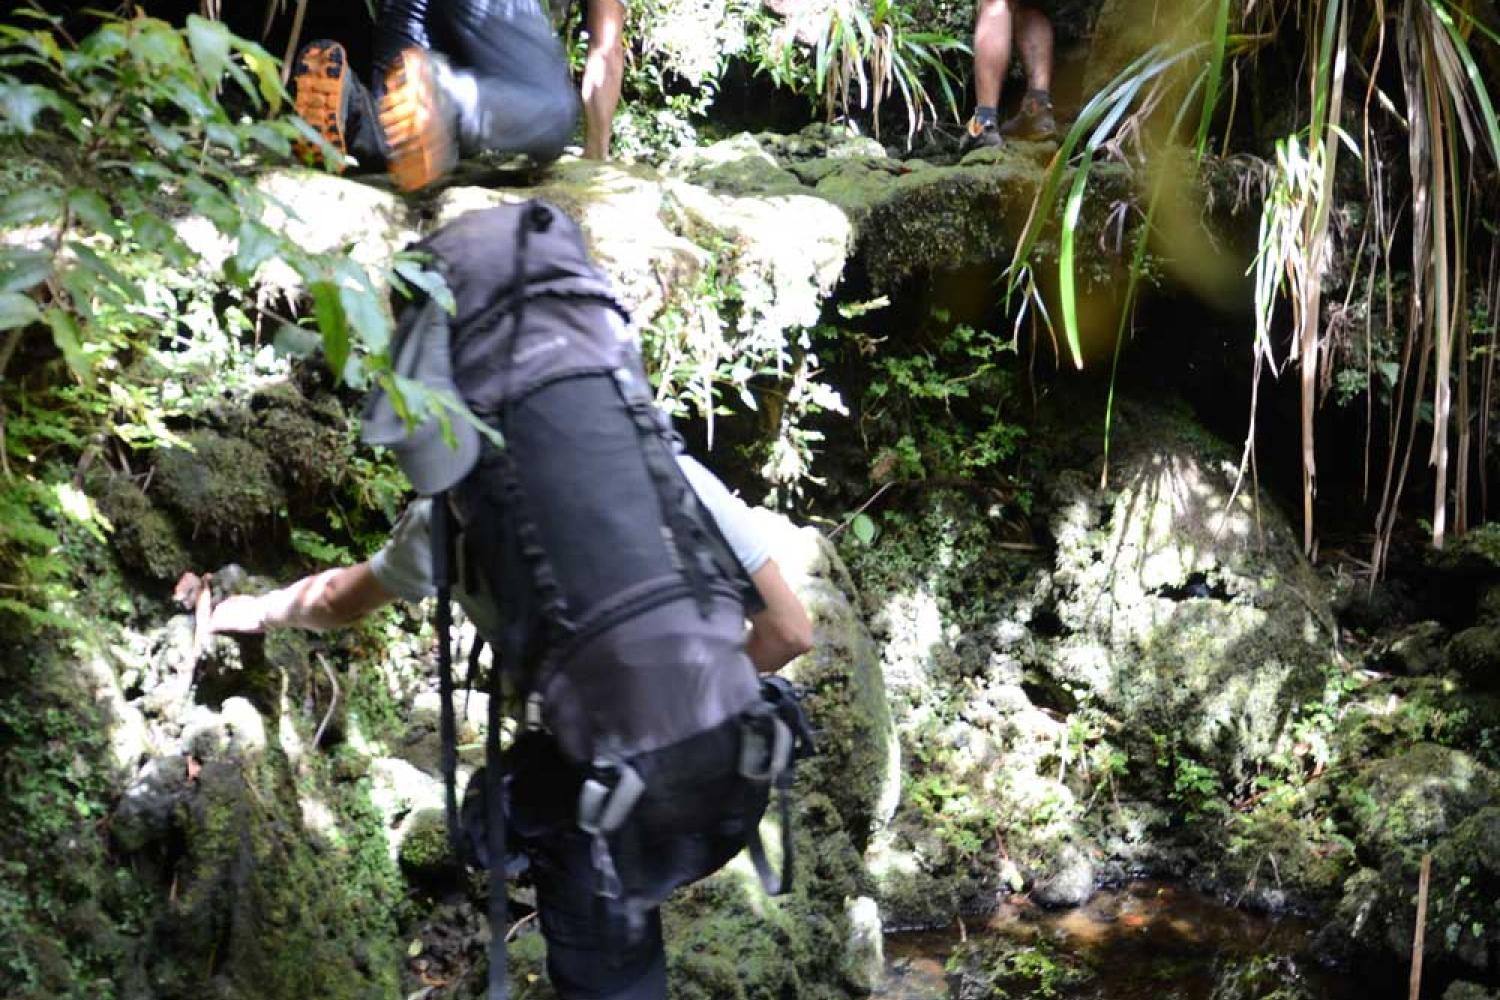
781 632
330 599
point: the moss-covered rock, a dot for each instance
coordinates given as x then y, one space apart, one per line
1418 649
1272 977
934 219
1186 607
737 165
1475 655
221 490
273 914
727 939
858 763
1377 909
423 850
307 442
144 538
999 968
1404 805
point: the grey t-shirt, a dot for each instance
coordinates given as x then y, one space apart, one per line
404 565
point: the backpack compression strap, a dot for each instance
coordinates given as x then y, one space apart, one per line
790 740
441 532
443 549
701 547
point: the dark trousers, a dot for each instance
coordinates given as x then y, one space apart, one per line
588 958
509 82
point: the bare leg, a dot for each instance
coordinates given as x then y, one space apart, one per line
1034 33
992 31
603 69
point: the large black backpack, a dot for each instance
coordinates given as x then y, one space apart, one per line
622 606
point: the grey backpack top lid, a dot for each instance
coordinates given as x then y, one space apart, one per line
432 460
478 255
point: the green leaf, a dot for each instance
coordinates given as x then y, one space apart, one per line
267 73
154 43
332 323
257 244
167 138
1215 74
34 204
109 277
17 310
22 269
369 320
430 282
294 341
214 204
21 103
863 528
270 138
1066 272
91 208
69 340
210 44
155 234
223 135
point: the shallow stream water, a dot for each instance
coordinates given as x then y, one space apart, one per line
1143 941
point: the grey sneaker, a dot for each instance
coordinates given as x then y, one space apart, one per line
1034 120
980 135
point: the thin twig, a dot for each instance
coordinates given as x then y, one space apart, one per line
515 928
862 508
291 41
1420 942
333 701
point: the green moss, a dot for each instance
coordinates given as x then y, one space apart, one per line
143 537
1475 654
1286 847
994 967
222 489
424 848
306 442
263 908
69 911
1404 804
726 940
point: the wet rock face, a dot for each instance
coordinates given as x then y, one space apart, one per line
1081 713
1182 613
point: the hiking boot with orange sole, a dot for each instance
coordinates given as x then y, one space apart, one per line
417 120
320 80
980 134
1034 121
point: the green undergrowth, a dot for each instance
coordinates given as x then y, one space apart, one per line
70 915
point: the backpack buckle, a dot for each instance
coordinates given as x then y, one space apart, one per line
764 756
603 807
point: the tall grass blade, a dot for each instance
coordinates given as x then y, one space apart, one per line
1218 46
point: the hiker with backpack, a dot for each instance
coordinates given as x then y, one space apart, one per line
612 576
456 77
